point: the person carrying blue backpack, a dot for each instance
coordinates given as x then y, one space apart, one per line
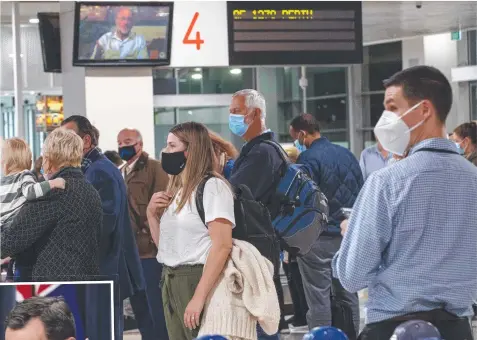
337 173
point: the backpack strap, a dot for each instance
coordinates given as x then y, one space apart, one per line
199 198
286 161
283 154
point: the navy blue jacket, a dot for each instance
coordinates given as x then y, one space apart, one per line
119 254
258 167
336 171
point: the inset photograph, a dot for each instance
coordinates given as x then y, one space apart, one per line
51 311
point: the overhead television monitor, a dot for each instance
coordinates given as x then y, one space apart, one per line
122 33
295 32
49 27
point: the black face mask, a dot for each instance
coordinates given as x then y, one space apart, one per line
173 163
127 152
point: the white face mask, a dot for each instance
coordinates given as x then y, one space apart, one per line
393 134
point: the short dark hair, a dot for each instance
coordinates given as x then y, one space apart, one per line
114 157
424 82
467 130
84 128
305 122
52 311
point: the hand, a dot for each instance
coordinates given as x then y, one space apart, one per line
159 200
57 183
5 260
192 313
344 227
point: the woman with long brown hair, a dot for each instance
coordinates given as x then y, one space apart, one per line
225 152
193 255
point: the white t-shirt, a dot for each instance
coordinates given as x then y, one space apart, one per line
184 239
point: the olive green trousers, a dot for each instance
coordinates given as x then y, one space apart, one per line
178 287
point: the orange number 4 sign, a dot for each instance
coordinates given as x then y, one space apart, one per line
187 37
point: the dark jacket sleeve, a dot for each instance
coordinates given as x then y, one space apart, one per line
108 190
32 221
255 171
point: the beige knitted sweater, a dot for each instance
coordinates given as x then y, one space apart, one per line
244 294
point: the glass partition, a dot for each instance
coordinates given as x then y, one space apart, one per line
215 118
199 80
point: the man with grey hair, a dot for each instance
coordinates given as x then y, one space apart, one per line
144 176
121 42
258 166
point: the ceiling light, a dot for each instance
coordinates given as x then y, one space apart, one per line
196 76
235 71
197 69
34 21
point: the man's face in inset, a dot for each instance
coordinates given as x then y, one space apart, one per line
33 330
124 21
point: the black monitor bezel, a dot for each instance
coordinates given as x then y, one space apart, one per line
121 62
248 59
41 17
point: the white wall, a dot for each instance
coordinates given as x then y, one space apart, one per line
443 53
412 52
117 98
74 95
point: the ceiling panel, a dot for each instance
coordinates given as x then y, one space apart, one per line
386 20
382 20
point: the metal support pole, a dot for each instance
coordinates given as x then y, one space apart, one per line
303 84
17 72
351 110
2 123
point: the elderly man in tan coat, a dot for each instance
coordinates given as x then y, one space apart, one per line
144 176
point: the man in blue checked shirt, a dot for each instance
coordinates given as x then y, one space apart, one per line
412 236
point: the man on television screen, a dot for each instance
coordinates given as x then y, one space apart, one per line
121 42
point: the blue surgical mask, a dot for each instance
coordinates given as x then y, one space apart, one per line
237 124
459 148
301 148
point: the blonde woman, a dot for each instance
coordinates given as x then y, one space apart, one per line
193 255
59 233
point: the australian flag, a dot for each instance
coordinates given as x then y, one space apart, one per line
67 291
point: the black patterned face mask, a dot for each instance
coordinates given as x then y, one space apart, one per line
173 163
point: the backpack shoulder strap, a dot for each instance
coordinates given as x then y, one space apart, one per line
283 154
199 198
286 161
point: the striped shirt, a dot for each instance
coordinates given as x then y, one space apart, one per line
16 189
412 235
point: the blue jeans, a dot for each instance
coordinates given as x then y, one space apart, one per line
147 305
263 336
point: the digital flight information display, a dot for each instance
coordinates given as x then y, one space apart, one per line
295 32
